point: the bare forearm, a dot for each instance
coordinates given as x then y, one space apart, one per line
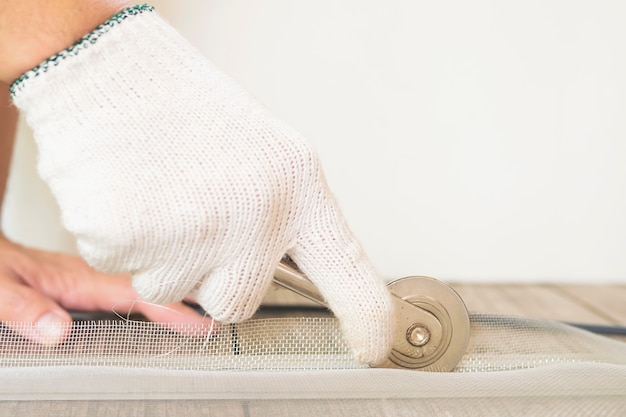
8 121
33 30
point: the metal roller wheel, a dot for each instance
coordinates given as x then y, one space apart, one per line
432 329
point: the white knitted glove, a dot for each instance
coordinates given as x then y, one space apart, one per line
165 168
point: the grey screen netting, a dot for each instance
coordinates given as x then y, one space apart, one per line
301 366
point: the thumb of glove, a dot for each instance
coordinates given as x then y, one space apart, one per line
334 261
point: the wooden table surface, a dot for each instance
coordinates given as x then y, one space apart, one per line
597 304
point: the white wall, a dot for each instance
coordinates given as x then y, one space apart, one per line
471 141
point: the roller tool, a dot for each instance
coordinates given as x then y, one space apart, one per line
432 322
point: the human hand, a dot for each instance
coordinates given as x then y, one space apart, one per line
37 286
165 168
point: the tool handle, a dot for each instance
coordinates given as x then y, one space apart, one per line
294 280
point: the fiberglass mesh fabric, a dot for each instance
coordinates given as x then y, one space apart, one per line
301 366
497 343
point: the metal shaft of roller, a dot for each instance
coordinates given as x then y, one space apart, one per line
290 278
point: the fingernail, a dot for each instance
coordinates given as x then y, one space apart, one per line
52 328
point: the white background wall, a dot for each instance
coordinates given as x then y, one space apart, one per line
471 141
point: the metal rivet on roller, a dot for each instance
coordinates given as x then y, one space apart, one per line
418 335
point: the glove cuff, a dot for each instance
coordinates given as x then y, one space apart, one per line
86 41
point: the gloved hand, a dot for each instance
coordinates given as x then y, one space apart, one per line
165 168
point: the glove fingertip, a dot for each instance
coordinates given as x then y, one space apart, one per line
153 286
369 331
233 294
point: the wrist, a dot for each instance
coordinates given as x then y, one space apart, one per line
33 30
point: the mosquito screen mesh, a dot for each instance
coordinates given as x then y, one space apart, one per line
301 366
